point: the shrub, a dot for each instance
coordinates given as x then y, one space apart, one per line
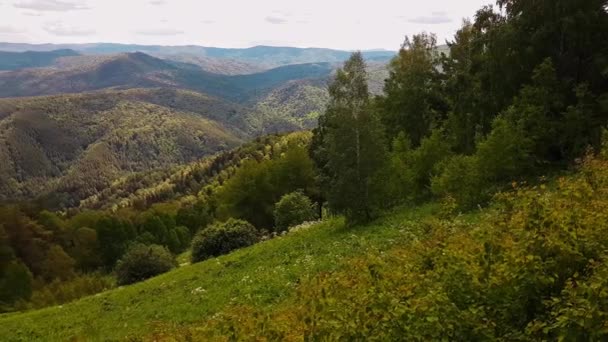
505 154
293 209
461 180
222 238
141 262
411 170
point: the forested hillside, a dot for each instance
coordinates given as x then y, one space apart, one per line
466 201
280 100
72 146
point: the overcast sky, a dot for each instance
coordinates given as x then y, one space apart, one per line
340 24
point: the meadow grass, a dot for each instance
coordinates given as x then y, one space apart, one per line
263 275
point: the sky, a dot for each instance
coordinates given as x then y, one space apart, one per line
338 24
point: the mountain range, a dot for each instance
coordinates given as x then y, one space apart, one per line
75 118
265 56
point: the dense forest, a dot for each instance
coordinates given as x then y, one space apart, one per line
518 101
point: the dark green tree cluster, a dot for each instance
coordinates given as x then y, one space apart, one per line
348 146
257 185
47 258
522 92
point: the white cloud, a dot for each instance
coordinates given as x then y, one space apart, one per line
433 19
61 29
160 32
340 24
4 29
50 5
275 20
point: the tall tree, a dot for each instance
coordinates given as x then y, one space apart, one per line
348 145
413 101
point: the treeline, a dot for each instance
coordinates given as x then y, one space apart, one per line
522 92
49 257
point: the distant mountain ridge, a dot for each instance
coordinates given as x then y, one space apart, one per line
139 70
268 56
32 59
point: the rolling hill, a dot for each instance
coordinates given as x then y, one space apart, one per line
78 144
137 70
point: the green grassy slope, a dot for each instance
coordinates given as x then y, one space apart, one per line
526 269
263 275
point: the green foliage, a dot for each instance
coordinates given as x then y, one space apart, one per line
114 237
222 238
85 249
530 269
15 284
257 185
293 209
504 156
294 105
194 217
407 175
348 147
141 262
264 274
58 264
461 180
413 101
60 292
162 230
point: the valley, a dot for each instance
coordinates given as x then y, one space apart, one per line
167 112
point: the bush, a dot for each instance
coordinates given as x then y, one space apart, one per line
506 154
222 238
461 180
410 170
293 209
142 262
